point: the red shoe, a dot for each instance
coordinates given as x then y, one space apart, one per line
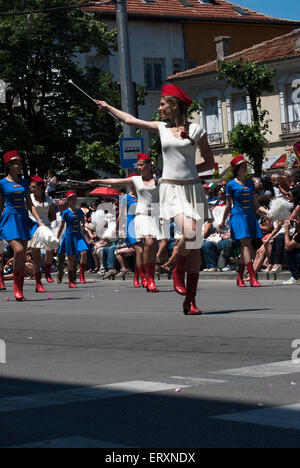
136 283
143 276
179 275
72 284
240 279
18 285
189 305
150 269
38 284
253 280
82 272
2 285
48 273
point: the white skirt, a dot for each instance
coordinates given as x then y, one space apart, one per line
145 226
189 200
43 238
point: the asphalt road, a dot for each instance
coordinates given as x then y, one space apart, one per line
109 366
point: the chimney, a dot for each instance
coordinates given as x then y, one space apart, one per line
223 46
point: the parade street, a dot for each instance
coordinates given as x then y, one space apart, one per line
109 366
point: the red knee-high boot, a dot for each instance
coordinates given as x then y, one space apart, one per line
179 275
2 285
48 273
150 269
136 278
189 305
143 276
82 272
18 285
253 280
38 284
240 278
72 283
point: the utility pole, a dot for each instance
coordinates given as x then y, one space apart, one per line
125 65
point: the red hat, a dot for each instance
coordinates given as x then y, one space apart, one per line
36 178
144 157
176 91
237 161
136 174
71 193
11 156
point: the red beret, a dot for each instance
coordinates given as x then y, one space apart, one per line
237 161
36 178
176 91
71 193
144 157
136 174
11 156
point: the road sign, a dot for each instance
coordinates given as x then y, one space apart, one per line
129 149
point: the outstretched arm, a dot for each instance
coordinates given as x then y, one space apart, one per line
112 182
128 119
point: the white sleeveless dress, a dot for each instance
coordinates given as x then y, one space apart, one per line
44 236
181 191
146 221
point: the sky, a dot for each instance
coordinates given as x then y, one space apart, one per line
288 9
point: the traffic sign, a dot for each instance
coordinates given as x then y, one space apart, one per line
129 149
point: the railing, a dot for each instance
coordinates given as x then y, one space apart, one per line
291 127
215 138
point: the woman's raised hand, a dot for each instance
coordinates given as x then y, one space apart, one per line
102 105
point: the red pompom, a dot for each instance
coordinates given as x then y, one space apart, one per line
184 134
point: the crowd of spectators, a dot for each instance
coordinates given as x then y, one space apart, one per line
110 256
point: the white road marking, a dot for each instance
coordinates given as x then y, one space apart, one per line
117 390
263 370
285 417
72 442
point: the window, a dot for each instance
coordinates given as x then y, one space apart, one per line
242 12
238 108
154 73
290 103
211 115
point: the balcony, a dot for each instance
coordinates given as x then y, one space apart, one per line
290 127
215 138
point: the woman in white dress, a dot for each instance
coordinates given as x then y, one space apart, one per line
181 194
146 221
46 211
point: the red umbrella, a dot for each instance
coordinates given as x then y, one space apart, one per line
104 192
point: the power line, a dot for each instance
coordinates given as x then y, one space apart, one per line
57 9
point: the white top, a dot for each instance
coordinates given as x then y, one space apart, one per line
179 154
146 195
42 209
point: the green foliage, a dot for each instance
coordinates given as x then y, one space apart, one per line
45 118
256 79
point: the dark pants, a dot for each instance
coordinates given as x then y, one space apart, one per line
293 261
277 250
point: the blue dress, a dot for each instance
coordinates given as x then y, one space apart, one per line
129 203
14 221
73 241
243 222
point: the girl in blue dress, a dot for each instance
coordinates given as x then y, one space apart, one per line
244 225
16 227
73 241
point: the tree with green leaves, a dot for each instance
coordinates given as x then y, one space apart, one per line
256 79
44 117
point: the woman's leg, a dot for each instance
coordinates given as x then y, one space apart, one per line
36 255
140 268
2 285
193 265
83 262
48 265
246 259
150 252
19 249
71 261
